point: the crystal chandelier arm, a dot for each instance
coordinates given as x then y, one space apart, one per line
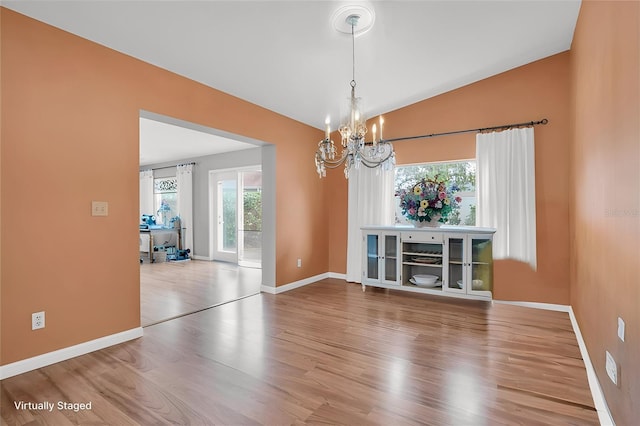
376 154
332 164
373 165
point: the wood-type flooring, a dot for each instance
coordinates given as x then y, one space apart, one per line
172 289
326 353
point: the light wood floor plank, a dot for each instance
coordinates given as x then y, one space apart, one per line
325 354
171 289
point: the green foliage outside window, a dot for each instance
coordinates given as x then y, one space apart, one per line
252 219
229 218
252 204
252 211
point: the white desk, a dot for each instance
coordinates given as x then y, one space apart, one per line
156 231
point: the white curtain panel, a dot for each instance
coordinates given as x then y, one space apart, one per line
370 202
184 176
146 192
507 193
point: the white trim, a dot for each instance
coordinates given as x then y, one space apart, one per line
338 276
537 305
268 289
604 415
64 354
196 257
295 284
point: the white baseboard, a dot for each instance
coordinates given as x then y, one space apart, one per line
295 284
64 354
338 276
537 305
604 415
196 257
301 283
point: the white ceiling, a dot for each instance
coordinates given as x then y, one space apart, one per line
286 56
163 142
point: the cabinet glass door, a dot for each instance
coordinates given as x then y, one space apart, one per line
372 256
481 267
455 277
390 257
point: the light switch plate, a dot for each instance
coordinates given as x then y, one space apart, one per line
99 208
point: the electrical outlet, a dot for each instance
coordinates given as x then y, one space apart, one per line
299 263
37 320
621 329
611 367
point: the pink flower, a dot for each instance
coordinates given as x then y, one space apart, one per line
442 195
412 211
458 200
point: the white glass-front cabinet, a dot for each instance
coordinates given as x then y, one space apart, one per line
470 264
381 261
458 259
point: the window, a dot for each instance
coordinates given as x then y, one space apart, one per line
462 173
165 199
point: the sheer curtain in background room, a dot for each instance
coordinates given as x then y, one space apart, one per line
184 176
146 192
505 187
371 202
146 203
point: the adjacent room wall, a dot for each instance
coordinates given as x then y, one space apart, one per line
531 92
70 114
605 194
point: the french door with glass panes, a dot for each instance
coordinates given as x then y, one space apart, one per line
236 216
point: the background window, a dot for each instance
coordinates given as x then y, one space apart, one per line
165 199
461 173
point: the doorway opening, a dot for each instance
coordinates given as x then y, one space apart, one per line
170 289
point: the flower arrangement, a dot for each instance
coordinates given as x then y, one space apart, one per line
429 200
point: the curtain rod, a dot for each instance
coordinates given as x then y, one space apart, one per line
171 167
482 129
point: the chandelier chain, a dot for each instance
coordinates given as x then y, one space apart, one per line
353 53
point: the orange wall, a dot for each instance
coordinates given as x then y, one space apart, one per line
70 112
535 91
605 208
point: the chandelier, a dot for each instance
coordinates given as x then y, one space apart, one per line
353 129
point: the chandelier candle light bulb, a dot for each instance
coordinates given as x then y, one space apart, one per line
328 123
373 130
